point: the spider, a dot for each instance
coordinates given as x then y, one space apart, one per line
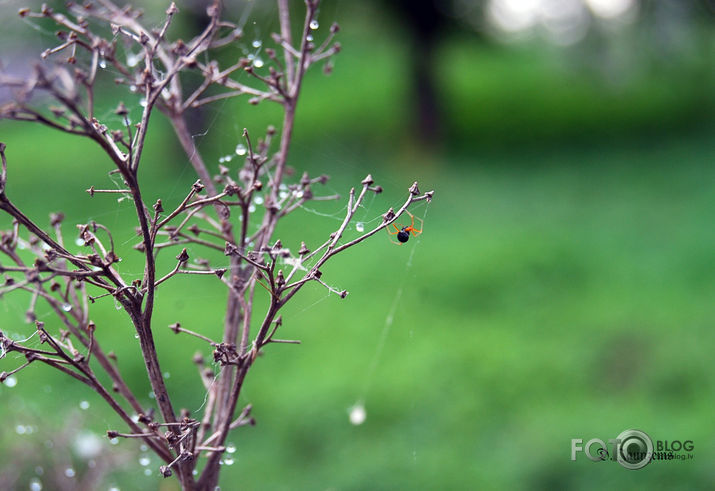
403 233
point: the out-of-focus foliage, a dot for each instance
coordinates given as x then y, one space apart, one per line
562 287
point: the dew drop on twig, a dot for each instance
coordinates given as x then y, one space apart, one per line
11 381
257 43
66 307
35 484
84 405
69 472
240 149
360 227
314 24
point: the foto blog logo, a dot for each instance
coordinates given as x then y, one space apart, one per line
633 449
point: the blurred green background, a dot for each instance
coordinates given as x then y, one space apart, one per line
563 286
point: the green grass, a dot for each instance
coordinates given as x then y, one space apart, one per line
562 287
544 302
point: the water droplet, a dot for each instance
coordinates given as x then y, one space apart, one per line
299 194
20 429
282 187
143 447
360 227
151 395
79 242
240 149
132 88
144 460
133 60
102 63
147 472
39 470
114 441
136 336
221 160
167 375
195 472
228 461
114 488
84 405
258 200
282 194
357 414
309 38
257 43
66 307
11 381
230 448
143 102
314 24
251 209
35 484
69 472
88 445
258 63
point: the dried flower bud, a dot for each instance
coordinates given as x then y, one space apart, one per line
175 327
183 256
121 110
303 249
158 208
198 186
334 28
414 190
112 434
368 180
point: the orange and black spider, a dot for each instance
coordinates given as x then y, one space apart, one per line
403 233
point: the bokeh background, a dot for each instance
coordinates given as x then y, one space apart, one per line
563 286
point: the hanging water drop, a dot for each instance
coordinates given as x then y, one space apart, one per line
314 24
251 209
66 307
258 200
35 484
20 430
257 43
84 405
309 38
143 102
144 460
258 63
230 448
167 375
147 472
69 472
102 63
78 241
132 60
144 448
11 381
358 414
240 149
132 88
228 461
360 227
